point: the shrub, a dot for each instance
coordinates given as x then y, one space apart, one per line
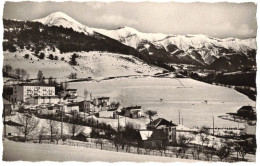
51 57
42 55
26 56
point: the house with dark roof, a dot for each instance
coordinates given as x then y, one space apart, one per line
167 126
132 112
69 94
153 139
83 135
85 106
102 101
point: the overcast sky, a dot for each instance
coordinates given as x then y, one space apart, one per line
220 20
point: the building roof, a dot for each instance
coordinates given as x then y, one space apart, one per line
145 134
162 121
11 123
112 109
6 102
35 84
101 98
71 90
133 107
86 131
72 104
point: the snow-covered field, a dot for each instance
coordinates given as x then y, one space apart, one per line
14 151
198 102
91 64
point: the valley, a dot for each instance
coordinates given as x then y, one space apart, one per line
185 95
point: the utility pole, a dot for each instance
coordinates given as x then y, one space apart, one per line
118 125
125 120
61 132
179 117
213 125
92 119
4 122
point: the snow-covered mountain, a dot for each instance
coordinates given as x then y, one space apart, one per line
62 19
130 36
193 49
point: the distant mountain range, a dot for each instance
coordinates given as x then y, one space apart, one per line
157 48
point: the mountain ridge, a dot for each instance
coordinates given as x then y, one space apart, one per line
159 48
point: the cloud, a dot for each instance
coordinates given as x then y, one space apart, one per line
244 30
96 5
115 20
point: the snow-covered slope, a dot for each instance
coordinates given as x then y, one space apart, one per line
91 64
62 19
130 36
185 42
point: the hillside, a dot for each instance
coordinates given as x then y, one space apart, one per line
90 64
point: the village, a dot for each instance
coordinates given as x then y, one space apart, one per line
50 113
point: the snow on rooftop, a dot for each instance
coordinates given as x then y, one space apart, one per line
145 134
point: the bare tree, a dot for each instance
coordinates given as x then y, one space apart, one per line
52 127
42 132
23 74
85 94
204 139
208 154
40 76
99 141
18 73
73 76
8 70
73 126
29 124
223 152
183 140
27 77
150 114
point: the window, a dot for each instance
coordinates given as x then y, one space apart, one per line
166 129
170 137
170 129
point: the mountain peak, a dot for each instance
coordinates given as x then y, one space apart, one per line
62 19
54 17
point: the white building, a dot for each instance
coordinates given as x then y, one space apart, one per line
26 90
43 100
54 109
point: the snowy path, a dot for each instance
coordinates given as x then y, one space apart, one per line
14 151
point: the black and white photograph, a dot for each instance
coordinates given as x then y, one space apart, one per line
125 81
